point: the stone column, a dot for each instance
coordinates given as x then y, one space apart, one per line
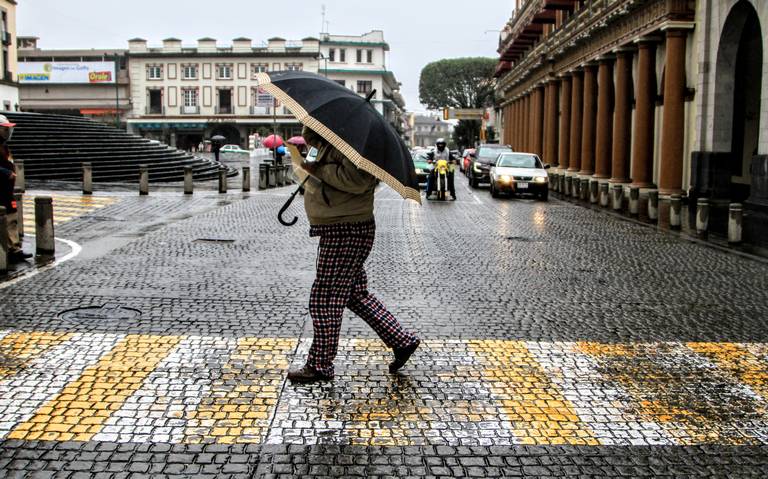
645 98
577 103
604 133
673 119
589 119
528 124
538 119
622 118
565 120
551 133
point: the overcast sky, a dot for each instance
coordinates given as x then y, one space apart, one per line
418 31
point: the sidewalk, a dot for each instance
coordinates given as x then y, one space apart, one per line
556 341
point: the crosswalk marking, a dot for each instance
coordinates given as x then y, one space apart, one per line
206 389
65 208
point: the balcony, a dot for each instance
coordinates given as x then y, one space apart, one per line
189 110
267 110
154 110
223 110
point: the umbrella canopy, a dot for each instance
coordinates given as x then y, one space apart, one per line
218 138
297 140
348 122
272 141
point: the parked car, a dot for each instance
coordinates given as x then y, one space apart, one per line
484 159
467 159
421 166
232 149
519 173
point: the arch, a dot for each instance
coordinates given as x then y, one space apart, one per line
738 78
230 132
741 16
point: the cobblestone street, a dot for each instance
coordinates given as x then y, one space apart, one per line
556 340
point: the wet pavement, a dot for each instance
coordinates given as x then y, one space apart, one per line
557 340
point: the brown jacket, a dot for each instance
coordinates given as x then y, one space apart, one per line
343 193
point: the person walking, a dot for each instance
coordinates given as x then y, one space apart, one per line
338 201
7 200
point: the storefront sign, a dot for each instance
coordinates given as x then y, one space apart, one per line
66 72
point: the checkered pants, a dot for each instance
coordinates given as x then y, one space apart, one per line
341 282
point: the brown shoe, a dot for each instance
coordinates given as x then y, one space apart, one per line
401 356
307 375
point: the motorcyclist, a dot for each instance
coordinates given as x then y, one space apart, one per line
442 152
7 183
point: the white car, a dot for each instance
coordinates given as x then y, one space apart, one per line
519 173
232 149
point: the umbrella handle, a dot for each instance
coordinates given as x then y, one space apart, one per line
287 204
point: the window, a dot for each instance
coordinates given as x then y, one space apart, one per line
190 96
369 56
154 72
359 56
259 68
341 82
189 72
342 55
294 67
224 71
364 86
332 54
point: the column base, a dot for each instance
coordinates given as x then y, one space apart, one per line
619 180
643 185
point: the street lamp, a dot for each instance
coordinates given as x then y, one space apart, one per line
324 58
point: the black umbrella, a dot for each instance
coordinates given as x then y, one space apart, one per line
350 123
218 138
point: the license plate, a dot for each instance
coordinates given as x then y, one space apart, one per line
522 185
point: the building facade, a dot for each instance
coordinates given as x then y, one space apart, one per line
9 88
424 130
659 94
360 63
183 95
50 83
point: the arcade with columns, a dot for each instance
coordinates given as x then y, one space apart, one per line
661 95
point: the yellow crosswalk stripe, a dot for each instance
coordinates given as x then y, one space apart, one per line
18 348
238 407
737 360
82 407
65 208
533 404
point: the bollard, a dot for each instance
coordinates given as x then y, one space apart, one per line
19 164
653 205
279 175
568 181
19 198
702 217
189 186
634 201
584 189
143 180
272 176
44 242
675 211
734 223
594 187
87 179
605 194
618 197
287 174
246 178
3 241
554 180
222 180
575 188
263 176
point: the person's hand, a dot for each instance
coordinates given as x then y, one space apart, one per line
13 176
310 166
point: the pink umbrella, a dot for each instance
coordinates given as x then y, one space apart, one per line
270 142
297 140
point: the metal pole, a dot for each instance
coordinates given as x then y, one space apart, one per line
117 93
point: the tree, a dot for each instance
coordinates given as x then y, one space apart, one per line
459 83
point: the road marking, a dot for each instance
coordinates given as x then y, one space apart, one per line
79 412
65 208
75 250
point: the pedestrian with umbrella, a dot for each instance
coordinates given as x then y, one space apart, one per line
355 147
216 142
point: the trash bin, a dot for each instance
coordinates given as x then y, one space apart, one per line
272 176
263 176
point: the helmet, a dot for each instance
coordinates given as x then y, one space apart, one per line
440 141
6 129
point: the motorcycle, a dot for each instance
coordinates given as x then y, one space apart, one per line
441 179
